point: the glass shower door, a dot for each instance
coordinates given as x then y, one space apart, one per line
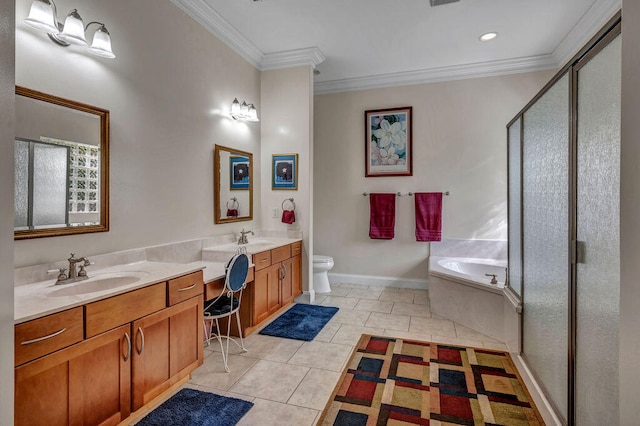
597 225
545 180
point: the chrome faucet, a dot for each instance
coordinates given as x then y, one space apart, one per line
493 278
74 275
243 236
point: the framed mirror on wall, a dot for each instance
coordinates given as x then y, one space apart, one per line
61 166
233 185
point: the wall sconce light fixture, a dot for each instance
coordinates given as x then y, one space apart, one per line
43 16
244 111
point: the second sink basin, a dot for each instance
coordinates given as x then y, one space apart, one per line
95 284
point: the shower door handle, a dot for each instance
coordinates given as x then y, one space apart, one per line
579 251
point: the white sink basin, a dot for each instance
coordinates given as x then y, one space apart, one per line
98 283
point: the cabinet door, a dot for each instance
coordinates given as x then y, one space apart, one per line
150 368
286 282
296 275
167 346
273 288
87 383
266 293
185 328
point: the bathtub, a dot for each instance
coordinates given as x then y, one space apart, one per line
470 271
460 291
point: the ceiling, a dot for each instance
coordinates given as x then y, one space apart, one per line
359 44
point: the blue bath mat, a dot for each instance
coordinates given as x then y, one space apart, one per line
301 322
192 407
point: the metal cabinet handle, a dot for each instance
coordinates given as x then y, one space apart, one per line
284 271
40 339
141 333
126 336
188 288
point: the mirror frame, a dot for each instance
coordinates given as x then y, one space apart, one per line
218 219
103 114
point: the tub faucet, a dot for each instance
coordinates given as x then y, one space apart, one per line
493 278
243 236
74 275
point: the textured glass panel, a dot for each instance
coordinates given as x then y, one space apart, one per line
515 206
21 194
49 185
545 224
598 198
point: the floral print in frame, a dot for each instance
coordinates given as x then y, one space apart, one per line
388 147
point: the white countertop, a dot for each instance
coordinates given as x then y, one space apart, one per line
39 299
42 298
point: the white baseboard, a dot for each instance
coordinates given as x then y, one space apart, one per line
544 406
378 281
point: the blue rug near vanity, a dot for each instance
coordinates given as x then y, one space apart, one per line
301 322
192 407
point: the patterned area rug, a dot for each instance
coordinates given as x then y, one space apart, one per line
404 382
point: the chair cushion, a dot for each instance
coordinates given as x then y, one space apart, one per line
221 306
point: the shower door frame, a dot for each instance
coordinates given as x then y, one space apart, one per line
608 33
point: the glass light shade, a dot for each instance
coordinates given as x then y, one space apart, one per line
253 113
101 45
42 17
73 31
235 109
244 110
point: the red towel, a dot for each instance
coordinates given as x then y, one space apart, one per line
382 216
232 212
428 216
288 216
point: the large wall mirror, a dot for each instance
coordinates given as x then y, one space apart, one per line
61 166
233 185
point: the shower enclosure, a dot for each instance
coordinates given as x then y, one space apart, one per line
564 180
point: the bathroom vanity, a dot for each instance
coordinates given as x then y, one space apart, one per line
99 351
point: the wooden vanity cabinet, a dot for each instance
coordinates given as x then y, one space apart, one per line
276 285
137 345
88 383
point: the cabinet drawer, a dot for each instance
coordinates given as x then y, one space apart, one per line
262 260
110 313
41 336
186 287
281 253
296 248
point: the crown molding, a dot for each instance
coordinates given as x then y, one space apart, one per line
591 22
597 15
311 56
206 16
434 75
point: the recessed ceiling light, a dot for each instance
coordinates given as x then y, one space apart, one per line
488 36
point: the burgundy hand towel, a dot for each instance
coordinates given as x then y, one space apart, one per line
232 212
428 216
288 216
382 216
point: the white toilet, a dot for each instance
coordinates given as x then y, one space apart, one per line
321 265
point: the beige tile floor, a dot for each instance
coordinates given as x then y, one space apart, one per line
290 381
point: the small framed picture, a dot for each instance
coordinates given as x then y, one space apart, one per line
284 171
239 171
388 147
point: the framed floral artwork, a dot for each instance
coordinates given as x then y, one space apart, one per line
239 170
388 148
284 171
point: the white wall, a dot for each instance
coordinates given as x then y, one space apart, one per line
169 92
287 124
629 214
459 145
6 209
